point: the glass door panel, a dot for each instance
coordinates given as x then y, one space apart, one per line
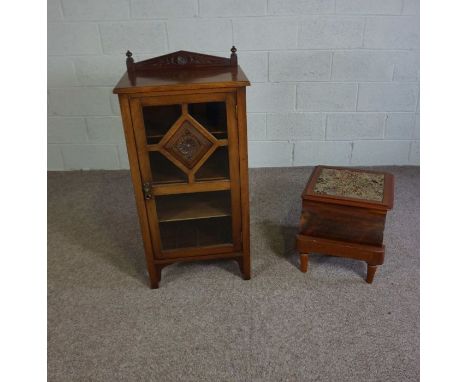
158 120
194 219
185 143
212 116
195 233
184 133
216 166
200 205
163 171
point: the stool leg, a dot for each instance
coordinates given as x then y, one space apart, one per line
304 262
370 273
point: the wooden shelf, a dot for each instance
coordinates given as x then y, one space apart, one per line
219 134
164 171
201 205
158 119
216 166
154 138
211 115
193 234
186 188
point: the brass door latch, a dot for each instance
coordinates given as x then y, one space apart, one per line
147 191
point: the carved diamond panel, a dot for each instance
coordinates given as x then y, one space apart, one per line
188 144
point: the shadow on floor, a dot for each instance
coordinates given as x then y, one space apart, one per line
319 260
104 223
185 268
281 240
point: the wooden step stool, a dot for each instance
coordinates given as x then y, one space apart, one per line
343 214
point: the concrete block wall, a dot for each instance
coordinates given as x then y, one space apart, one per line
333 81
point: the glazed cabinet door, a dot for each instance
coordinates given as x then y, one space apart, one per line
189 163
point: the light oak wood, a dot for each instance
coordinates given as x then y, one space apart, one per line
182 92
234 171
192 80
189 171
244 178
169 189
229 254
137 182
183 99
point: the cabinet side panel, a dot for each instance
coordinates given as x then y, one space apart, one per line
234 172
244 176
137 183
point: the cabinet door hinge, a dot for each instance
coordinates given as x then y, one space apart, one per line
147 191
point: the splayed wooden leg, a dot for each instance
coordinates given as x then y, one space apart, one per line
304 262
246 268
370 273
154 284
241 265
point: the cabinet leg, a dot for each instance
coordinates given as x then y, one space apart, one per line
240 263
304 262
370 273
156 278
244 267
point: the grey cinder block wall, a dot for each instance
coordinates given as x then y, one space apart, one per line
333 81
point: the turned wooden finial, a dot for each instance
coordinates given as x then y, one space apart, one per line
233 56
130 67
130 61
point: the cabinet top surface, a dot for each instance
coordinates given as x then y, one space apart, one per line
181 70
183 79
360 188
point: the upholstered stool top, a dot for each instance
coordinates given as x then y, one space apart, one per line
350 187
350 184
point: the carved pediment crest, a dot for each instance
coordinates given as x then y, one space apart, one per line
181 59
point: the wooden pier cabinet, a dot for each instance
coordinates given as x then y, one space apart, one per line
184 118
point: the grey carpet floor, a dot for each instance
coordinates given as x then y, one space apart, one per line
207 324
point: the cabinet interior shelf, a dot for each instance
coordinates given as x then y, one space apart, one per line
202 205
216 167
193 234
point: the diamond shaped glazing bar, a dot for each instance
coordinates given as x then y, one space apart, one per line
188 144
